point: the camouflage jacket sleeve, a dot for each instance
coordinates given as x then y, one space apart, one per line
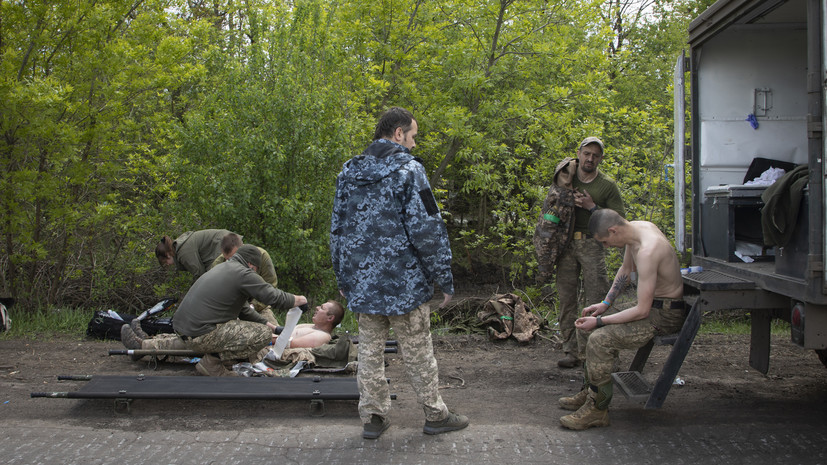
425 228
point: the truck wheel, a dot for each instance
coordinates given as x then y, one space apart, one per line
822 355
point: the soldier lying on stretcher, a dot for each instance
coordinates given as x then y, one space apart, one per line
305 336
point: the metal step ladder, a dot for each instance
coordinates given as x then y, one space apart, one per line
632 384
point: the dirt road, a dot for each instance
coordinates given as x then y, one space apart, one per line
724 413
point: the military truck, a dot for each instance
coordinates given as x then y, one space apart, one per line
756 81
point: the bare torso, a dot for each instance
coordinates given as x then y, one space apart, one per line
307 335
656 249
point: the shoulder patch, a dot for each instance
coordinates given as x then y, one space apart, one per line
430 202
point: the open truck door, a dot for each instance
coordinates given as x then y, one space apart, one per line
757 89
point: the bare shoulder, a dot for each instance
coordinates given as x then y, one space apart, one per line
655 247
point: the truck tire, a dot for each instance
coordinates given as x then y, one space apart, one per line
822 355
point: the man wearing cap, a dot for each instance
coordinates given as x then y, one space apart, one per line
216 319
593 190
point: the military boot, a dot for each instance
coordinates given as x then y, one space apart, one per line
131 341
135 324
452 422
590 414
129 338
569 361
576 401
210 365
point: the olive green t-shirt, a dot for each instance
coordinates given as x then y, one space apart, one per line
604 192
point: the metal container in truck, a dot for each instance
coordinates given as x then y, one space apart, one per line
751 142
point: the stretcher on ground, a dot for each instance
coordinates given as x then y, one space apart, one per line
124 389
159 355
182 353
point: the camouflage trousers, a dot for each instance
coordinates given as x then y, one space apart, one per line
604 344
588 256
164 342
233 340
413 334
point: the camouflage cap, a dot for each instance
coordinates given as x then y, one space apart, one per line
592 140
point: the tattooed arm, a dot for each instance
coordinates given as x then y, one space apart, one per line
641 260
622 279
620 283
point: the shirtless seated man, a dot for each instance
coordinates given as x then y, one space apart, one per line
659 309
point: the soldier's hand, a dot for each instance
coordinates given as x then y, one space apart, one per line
586 323
596 309
583 199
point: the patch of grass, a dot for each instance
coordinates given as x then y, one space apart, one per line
737 323
349 323
48 322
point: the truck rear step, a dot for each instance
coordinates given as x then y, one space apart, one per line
632 384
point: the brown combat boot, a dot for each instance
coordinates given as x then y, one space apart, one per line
576 401
588 415
129 338
135 324
131 341
210 365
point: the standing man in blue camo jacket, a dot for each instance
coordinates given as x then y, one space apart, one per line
389 245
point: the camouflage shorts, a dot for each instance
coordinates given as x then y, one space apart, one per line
413 333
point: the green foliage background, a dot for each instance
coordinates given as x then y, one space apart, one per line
124 120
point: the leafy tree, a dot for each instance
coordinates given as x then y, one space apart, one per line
125 120
81 92
260 153
648 38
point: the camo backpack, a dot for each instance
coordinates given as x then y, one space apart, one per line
506 315
556 223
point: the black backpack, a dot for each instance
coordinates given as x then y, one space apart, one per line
107 325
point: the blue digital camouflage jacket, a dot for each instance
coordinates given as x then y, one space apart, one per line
388 242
